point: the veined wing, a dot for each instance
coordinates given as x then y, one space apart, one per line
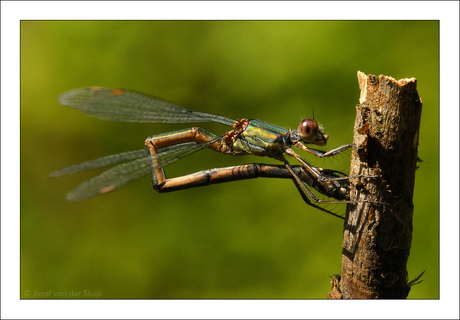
99 163
123 174
111 179
132 106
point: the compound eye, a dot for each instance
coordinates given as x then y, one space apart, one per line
308 130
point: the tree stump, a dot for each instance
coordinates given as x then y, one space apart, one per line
377 238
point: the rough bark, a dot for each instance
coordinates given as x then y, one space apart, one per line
377 237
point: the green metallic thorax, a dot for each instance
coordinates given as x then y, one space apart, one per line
261 139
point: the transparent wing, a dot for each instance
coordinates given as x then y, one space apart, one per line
123 174
99 163
132 106
111 179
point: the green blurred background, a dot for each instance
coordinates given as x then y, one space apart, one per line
248 239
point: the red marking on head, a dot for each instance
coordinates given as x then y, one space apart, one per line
117 91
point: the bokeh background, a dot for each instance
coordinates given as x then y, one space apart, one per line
247 239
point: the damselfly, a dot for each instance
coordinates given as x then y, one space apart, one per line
249 137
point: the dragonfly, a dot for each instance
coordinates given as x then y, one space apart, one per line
248 137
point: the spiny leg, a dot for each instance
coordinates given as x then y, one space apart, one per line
322 154
318 173
331 175
326 185
304 191
310 169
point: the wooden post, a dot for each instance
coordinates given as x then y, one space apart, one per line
377 238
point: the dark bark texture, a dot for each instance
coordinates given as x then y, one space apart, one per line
377 237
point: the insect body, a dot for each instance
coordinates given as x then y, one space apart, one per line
249 137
